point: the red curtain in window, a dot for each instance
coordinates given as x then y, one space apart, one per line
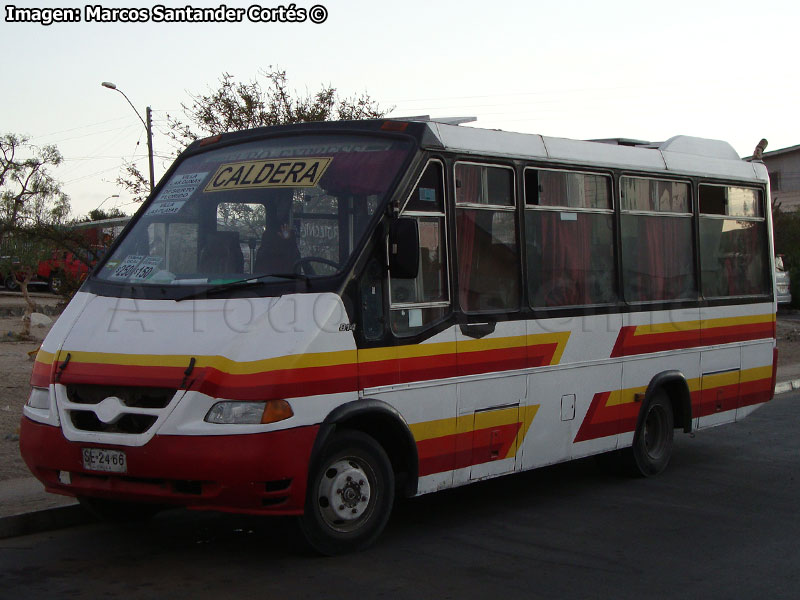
662 259
468 180
566 259
465 224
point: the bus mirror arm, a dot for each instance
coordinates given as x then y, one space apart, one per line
404 248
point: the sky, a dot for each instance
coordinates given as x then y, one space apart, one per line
576 69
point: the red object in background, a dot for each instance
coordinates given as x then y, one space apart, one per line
63 261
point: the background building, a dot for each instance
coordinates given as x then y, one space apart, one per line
784 173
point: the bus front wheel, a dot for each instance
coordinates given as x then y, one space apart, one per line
350 495
652 441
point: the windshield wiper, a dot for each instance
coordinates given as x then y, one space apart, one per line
241 283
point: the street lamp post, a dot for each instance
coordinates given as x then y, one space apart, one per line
147 125
104 201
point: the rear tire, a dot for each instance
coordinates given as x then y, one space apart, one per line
11 283
652 442
350 495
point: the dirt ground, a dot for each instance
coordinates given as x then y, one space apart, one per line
16 371
14 378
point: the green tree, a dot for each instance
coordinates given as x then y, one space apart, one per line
30 199
29 195
98 214
266 100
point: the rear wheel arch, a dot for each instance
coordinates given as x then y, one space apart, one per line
676 387
386 426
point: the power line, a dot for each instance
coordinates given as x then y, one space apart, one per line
79 127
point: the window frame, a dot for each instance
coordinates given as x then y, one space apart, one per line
714 216
504 207
608 176
692 216
661 213
616 244
513 208
732 217
446 255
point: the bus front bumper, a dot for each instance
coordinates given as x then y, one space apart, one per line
263 473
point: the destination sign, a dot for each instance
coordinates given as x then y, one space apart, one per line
287 172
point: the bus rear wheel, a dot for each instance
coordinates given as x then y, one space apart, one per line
350 495
652 441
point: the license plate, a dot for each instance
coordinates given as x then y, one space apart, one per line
101 459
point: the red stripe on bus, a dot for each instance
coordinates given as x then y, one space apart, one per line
40 376
738 333
755 392
404 370
603 421
268 385
460 450
629 344
304 381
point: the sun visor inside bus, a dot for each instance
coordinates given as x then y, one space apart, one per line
362 172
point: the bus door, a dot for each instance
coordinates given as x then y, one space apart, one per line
489 400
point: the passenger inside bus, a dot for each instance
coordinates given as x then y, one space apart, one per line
279 252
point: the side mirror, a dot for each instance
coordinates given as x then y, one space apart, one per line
404 248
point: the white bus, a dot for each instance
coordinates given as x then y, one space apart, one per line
312 319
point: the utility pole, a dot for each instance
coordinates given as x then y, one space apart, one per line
149 128
147 125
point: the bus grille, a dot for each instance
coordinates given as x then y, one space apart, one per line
115 409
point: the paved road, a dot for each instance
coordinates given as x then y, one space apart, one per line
722 522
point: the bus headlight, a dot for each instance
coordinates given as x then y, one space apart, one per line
39 398
248 413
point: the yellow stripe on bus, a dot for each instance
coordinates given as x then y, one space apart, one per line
715 380
314 359
485 419
221 363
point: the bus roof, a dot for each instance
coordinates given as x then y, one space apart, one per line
678 155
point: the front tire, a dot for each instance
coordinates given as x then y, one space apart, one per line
350 495
652 442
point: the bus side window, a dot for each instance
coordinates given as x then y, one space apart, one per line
657 215
488 257
425 299
734 244
569 225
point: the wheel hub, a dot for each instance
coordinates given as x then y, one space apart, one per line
344 492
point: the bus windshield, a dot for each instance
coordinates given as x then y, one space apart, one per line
296 206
